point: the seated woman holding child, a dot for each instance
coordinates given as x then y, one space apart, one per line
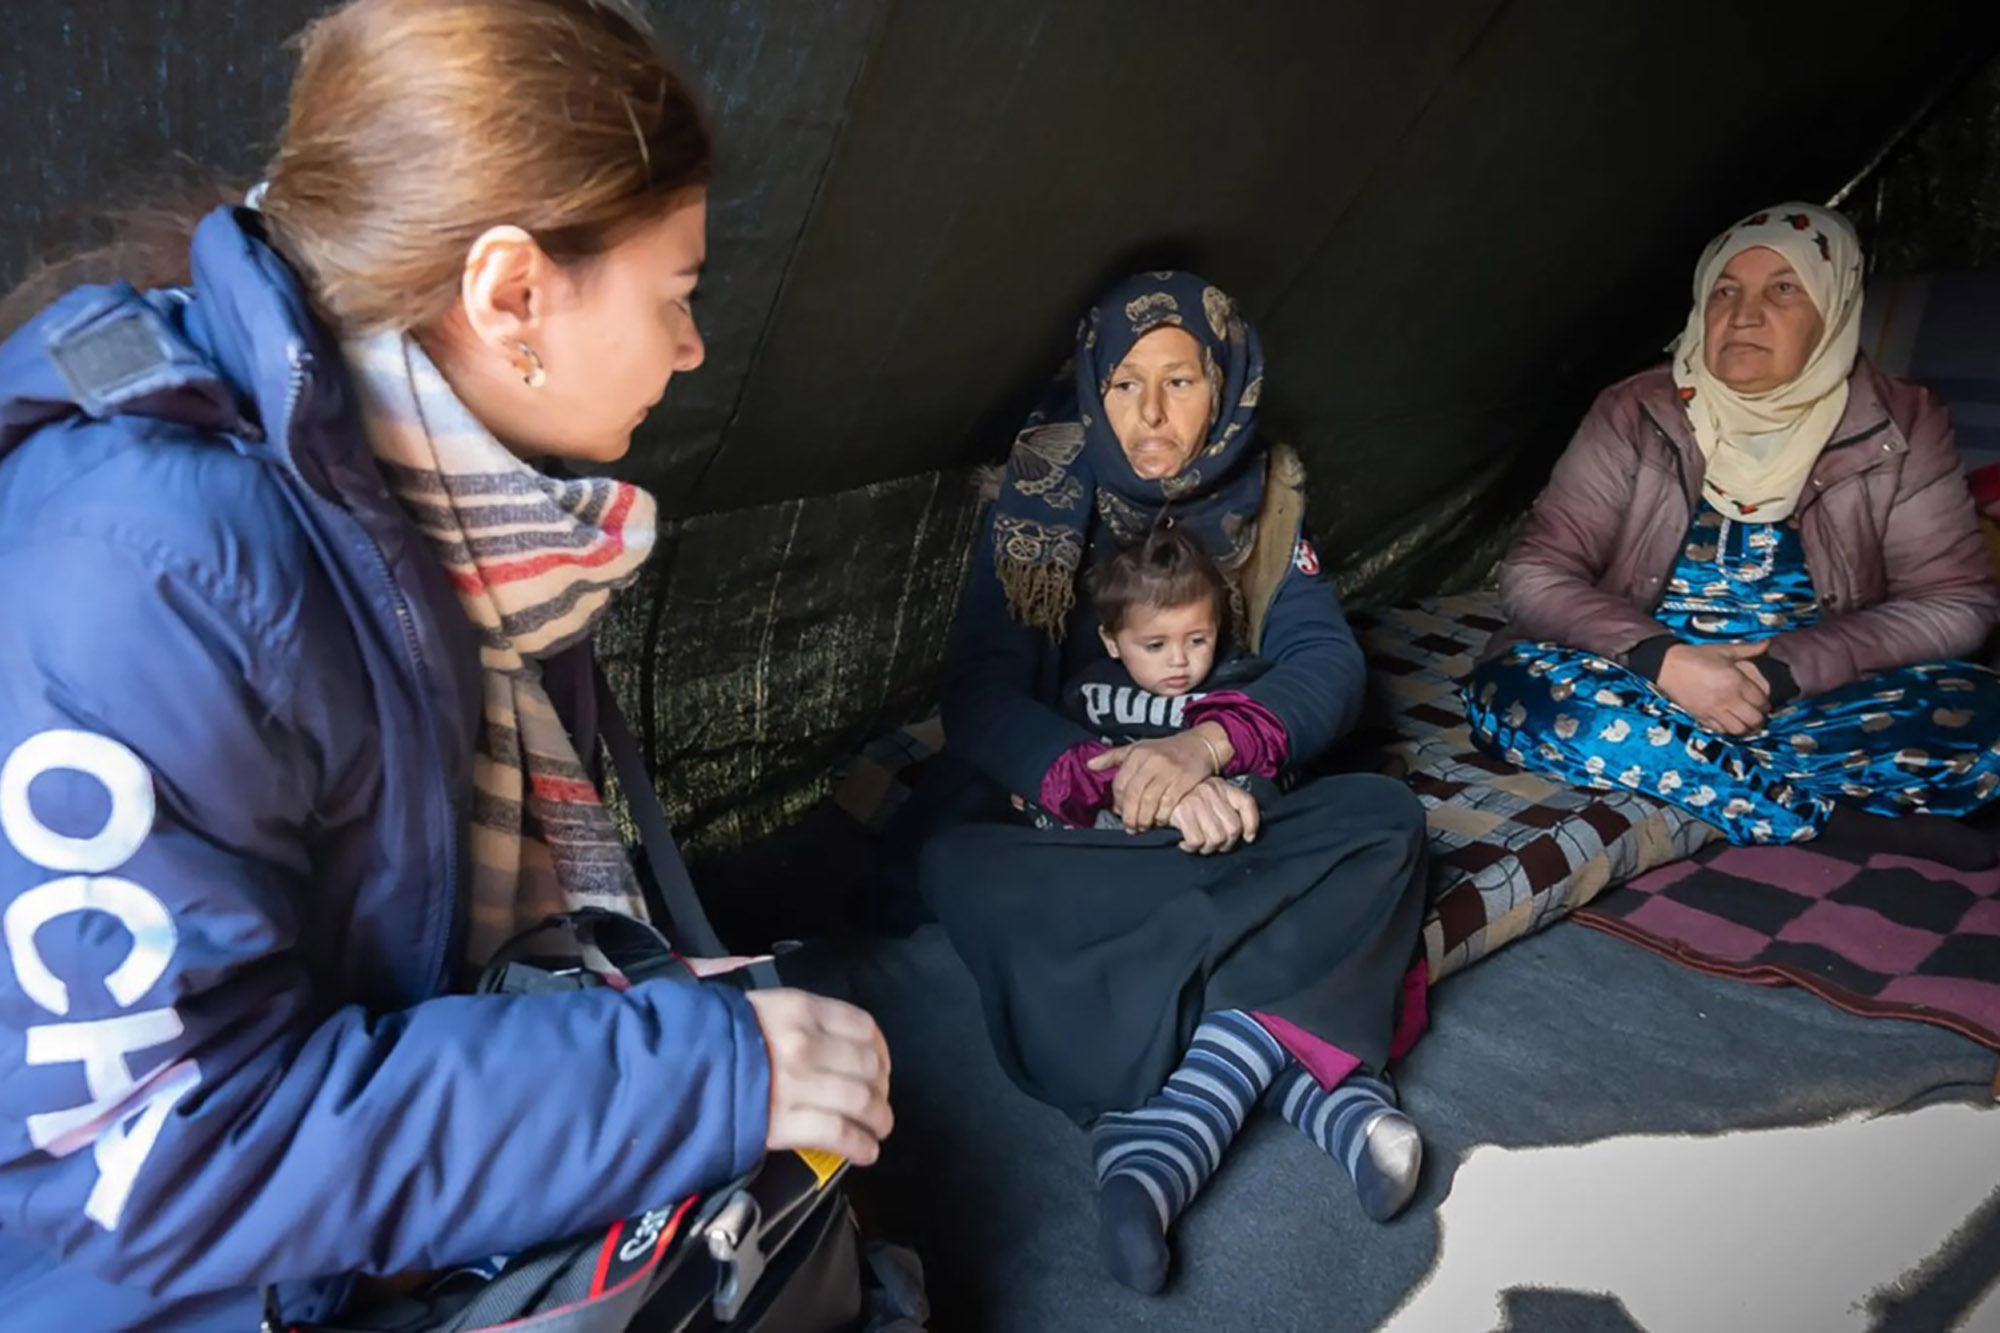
1164 935
1751 582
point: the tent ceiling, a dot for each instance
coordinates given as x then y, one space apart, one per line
1441 213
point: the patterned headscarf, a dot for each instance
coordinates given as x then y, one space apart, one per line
1760 448
1068 471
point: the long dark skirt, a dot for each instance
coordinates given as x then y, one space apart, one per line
1096 953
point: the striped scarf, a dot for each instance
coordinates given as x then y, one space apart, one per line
535 560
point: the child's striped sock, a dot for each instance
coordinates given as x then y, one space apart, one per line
1151 1162
1358 1125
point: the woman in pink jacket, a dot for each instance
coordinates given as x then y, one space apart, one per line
1749 584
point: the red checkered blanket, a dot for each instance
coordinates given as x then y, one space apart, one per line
1881 936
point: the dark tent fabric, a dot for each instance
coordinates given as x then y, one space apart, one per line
1452 221
1934 206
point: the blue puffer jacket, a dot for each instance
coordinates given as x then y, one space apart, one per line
237 708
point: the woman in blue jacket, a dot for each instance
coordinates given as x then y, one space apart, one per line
295 705
1233 941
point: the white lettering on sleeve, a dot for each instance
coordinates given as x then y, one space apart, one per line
123 1118
124 779
146 917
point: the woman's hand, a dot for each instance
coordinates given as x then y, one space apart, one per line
1719 684
829 1075
1154 777
1214 817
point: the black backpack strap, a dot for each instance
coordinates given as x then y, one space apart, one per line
686 921
597 948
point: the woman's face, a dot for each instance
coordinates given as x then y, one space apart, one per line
623 330
1761 326
1159 403
609 335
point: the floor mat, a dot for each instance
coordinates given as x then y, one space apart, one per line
1565 1038
1881 936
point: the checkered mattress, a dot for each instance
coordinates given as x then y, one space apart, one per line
1510 851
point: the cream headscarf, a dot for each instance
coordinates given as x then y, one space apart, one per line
1761 448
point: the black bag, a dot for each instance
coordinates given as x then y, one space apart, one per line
776 1251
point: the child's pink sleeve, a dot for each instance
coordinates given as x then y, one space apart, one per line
1071 791
1255 733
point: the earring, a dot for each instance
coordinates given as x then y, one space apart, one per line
532 375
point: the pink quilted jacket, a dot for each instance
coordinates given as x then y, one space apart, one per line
1891 537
